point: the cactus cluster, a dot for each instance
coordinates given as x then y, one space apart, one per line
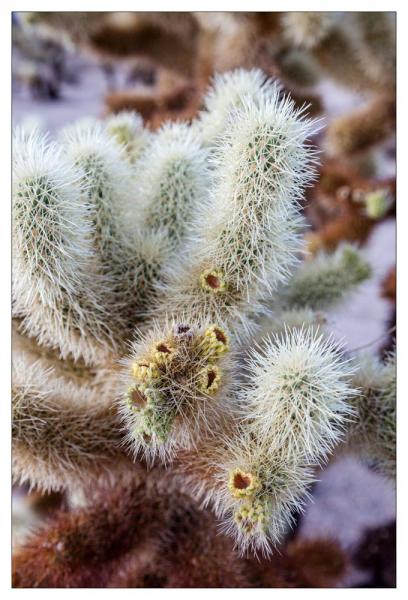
165 312
178 387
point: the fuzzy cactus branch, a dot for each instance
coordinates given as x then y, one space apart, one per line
227 94
325 280
62 432
53 285
110 197
127 129
173 173
247 234
298 395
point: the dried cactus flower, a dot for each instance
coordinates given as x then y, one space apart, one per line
242 485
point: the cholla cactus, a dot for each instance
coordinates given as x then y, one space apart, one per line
63 434
299 68
130 536
109 197
190 250
259 490
364 128
377 47
54 289
294 410
351 48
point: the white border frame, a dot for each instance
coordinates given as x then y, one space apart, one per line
7 6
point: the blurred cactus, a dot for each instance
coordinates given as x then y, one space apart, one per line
324 280
308 29
374 431
363 128
187 240
130 537
345 206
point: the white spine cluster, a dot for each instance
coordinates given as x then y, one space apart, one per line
127 129
172 182
109 192
226 95
298 395
247 234
46 204
110 197
54 289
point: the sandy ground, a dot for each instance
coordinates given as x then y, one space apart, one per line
348 497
